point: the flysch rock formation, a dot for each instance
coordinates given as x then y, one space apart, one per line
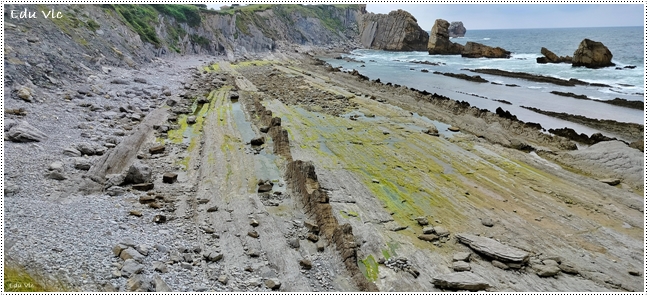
456 29
439 42
592 54
478 50
198 174
396 31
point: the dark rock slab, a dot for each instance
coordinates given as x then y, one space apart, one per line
461 281
493 248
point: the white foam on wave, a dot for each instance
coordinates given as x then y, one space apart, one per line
535 87
487 38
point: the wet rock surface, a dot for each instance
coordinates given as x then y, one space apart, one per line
189 229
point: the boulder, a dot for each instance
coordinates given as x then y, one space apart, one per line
138 173
25 94
592 54
25 132
131 267
55 175
397 31
493 248
305 264
273 284
82 164
488 222
160 285
56 166
478 50
456 29
460 266
131 253
118 248
460 281
439 42
441 231
72 151
461 256
550 57
428 237
169 178
137 283
422 221
546 270
159 149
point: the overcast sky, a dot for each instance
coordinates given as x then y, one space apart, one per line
511 16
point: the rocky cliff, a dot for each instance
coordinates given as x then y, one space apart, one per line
397 31
92 36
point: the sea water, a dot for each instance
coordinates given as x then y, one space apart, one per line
625 43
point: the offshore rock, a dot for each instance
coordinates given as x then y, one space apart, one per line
478 50
456 29
439 42
550 57
397 31
592 54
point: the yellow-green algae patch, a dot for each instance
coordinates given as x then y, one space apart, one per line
369 268
392 168
190 133
251 63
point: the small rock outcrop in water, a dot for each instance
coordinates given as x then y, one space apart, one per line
439 42
457 29
550 57
592 54
478 50
397 31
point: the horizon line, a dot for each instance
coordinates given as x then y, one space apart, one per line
556 28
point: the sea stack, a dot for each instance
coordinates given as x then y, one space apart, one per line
592 54
457 29
397 31
439 42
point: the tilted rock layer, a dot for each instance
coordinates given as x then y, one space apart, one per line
397 31
439 42
478 50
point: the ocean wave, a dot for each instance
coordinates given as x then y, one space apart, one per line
486 38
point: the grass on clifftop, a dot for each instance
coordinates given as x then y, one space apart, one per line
143 17
18 280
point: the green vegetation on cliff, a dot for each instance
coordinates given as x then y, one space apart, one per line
142 18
